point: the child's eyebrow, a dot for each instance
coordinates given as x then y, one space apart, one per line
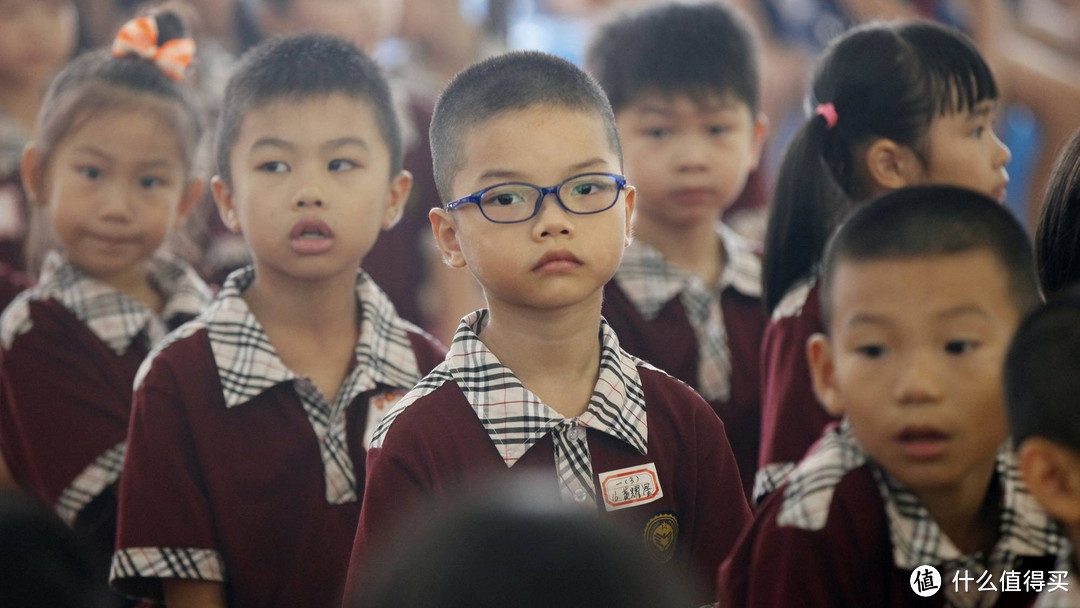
510 174
962 310
864 318
88 149
345 141
272 142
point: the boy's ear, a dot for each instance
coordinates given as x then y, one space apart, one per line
761 134
630 196
889 165
223 198
400 187
823 373
191 197
32 174
1052 473
446 237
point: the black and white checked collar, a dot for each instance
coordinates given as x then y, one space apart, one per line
515 419
111 315
1062 598
650 282
1025 529
248 364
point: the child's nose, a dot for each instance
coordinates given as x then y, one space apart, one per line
551 219
307 198
693 154
918 382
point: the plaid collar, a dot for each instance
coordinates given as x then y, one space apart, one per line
650 282
114 317
1026 530
248 364
515 419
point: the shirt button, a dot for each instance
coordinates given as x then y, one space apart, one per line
580 495
573 434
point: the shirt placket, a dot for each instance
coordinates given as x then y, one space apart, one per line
328 422
714 360
573 463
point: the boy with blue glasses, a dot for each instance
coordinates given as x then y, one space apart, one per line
537 383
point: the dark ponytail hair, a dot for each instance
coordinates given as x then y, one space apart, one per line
1057 238
885 80
97 82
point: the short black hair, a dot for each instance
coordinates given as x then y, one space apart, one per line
1042 388
676 49
505 83
924 221
304 67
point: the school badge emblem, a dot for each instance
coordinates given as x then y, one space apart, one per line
661 534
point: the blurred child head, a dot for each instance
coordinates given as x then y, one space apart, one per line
1042 392
357 21
516 545
921 292
683 83
309 155
42 561
111 165
897 104
1057 238
36 38
533 119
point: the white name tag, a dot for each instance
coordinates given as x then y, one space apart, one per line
377 407
630 487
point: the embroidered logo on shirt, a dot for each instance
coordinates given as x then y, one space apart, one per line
661 534
630 487
378 405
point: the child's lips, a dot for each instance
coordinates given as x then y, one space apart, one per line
311 237
693 195
557 261
923 442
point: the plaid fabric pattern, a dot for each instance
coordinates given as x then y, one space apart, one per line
770 477
792 303
1025 529
112 316
248 365
515 418
151 562
650 283
93 480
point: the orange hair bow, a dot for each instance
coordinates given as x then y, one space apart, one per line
140 36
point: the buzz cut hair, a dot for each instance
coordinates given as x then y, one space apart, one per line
510 82
929 221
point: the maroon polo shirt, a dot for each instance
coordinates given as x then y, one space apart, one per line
669 343
12 283
74 394
848 563
243 482
437 445
792 419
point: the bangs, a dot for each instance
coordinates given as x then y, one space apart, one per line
957 77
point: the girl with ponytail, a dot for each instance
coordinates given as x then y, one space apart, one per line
894 104
109 175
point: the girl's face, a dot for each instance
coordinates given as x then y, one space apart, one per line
113 189
36 38
962 150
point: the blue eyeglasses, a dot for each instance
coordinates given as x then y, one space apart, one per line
515 202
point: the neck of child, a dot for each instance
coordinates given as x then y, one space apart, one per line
554 353
325 307
134 282
968 512
694 247
21 101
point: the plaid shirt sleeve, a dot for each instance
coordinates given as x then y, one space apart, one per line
165 527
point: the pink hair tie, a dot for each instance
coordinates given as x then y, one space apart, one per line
828 111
